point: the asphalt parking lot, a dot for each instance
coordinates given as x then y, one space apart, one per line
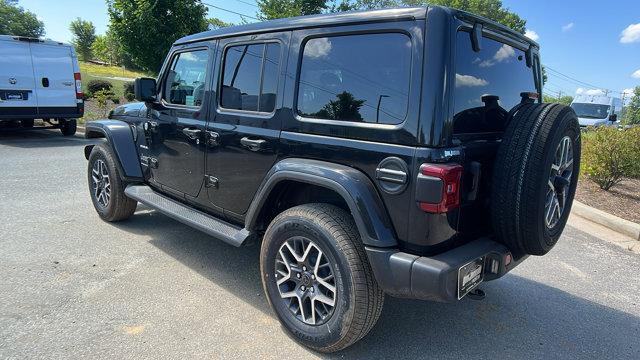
72 286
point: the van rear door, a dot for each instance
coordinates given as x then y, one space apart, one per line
54 81
17 84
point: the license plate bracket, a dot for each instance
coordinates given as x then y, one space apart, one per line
470 275
14 95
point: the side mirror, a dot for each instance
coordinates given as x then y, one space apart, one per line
145 89
613 117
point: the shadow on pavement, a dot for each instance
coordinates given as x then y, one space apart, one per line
519 318
37 138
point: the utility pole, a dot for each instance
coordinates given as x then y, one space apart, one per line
622 110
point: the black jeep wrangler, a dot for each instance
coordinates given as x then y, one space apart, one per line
399 151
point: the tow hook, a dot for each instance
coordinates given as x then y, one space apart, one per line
476 294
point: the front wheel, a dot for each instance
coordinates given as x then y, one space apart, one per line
106 186
317 277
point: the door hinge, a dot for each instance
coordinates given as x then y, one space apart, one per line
210 181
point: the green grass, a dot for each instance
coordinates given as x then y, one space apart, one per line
112 71
92 71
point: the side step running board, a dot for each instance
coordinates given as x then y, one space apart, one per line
208 224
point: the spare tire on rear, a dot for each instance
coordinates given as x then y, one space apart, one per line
535 177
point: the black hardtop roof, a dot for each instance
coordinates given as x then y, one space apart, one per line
349 17
308 21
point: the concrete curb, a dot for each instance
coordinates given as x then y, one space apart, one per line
612 222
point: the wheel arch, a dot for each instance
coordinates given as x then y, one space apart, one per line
342 186
120 138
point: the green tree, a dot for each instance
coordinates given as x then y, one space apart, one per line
84 34
107 48
632 110
217 23
564 100
276 9
148 28
15 20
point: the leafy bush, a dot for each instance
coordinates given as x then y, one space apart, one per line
129 93
609 154
102 98
95 85
128 87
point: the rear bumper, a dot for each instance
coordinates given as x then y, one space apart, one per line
436 278
17 113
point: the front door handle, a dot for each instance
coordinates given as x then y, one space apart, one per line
213 138
253 144
191 133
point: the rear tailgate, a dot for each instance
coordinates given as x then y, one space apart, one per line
489 83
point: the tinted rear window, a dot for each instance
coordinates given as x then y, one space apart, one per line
498 73
361 78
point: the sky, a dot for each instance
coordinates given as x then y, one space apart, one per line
587 46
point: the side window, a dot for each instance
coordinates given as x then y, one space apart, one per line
361 78
185 81
250 77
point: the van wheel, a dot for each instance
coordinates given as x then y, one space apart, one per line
535 177
106 186
317 277
68 127
27 123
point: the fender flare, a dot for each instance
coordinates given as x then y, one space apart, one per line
361 196
119 136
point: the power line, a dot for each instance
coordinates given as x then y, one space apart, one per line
572 79
248 3
231 11
552 87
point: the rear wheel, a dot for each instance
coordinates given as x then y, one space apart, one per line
535 177
68 126
106 186
317 277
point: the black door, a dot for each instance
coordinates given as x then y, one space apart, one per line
177 122
244 135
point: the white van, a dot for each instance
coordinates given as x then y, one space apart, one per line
597 110
39 79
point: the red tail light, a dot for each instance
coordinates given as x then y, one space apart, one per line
449 176
78 78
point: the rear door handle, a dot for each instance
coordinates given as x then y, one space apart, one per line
253 144
191 133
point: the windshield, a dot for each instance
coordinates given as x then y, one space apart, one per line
591 111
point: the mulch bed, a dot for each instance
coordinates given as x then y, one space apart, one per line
622 200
